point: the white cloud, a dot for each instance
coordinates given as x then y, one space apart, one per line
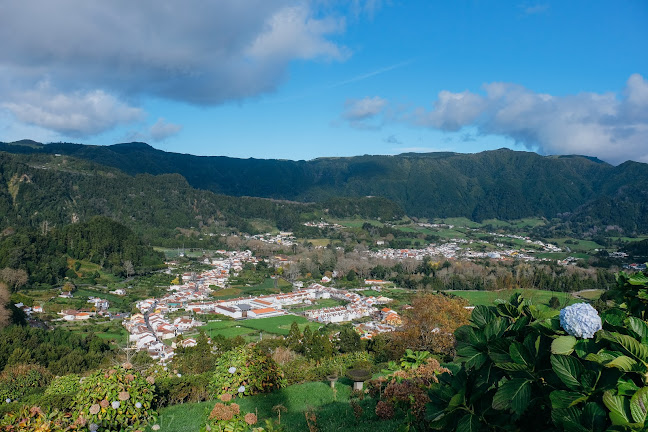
535 9
364 113
76 114
293 33
360 109
203 53
162 130
612 126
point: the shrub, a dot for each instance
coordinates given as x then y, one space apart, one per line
229 417
34 419
519 370
303 370
66 384
245 370
19 380
173 390
116 399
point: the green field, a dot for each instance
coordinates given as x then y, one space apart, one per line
537 296
264 288
331 408
279 325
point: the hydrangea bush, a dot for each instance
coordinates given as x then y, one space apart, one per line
118 399
245 370
580 320
523 368
19 380
226 416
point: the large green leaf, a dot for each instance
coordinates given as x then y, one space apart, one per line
593 417
481 316
495 328
512 367
561 399
519 353
514 394
468 423
568 370
563 345
638 279
639 406
638 326
623 363
473 357
618 408
630 344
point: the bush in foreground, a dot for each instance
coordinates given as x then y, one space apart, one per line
245 370
118 399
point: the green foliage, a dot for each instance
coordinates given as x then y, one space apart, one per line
253 370
60 351
302 370
117 400
19 380
66 384
631 294
172 390
518 369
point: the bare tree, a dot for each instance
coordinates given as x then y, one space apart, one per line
129 268
5 313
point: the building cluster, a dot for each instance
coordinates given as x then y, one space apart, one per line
322 225
285 238
151 327
358 306
384 321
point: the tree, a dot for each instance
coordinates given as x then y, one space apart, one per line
5 312
293 340
430 324
349 340
129 268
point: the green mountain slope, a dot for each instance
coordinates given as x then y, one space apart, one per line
501 184
40 191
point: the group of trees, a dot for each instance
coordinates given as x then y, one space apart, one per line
29 257
58 350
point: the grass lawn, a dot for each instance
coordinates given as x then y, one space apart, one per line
276 325
331 408
537 296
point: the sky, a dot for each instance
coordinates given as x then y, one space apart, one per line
300 79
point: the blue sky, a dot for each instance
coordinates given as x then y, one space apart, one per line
303 79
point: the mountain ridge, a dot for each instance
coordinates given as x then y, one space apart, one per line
503 184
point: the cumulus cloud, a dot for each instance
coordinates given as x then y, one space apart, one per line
162 130
74 114
203 53
363 113
535 9
612 126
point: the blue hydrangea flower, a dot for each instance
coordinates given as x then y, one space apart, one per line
580 320
138 405
94 427
241 389
115 404
8 400
231 370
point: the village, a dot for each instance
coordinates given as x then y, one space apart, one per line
149 329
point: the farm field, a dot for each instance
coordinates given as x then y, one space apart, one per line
487 298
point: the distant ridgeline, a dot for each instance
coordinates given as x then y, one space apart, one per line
585 193
43 191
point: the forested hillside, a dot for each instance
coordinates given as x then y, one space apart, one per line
502 184
45 191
